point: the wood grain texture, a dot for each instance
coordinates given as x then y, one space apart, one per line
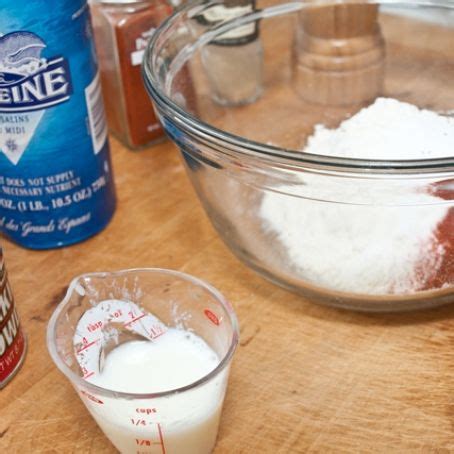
339 55
305 379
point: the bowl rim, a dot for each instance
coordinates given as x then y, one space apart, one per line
210 135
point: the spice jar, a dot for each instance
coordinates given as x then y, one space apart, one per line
233 56
122 30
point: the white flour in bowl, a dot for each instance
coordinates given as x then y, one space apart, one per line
388 129
374 248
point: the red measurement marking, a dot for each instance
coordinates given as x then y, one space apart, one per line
87 346
155 333
147 411
94 326
89 375
145 442
161 439
138 422
92 398
134 319
212 316
116 314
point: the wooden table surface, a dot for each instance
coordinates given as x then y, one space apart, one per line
304 379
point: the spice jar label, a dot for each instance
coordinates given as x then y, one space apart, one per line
220 13
141 43
141 119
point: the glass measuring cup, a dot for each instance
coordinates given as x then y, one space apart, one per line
182 420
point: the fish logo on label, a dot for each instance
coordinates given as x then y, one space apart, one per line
29 84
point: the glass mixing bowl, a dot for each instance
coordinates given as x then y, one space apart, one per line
241 92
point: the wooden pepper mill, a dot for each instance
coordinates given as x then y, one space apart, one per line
339 54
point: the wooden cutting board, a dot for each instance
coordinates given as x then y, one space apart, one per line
305 379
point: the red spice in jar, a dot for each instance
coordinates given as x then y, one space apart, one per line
122 30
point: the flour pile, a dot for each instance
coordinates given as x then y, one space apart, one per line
387 246
388 129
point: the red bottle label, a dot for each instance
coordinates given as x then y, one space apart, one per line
12 341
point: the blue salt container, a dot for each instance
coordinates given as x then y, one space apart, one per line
56 181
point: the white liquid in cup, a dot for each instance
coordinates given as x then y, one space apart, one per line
183 423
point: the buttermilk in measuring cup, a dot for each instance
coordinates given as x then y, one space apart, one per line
182 422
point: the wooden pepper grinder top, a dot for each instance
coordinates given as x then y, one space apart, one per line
339 54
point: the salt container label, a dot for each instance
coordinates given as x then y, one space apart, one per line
56 183
29 85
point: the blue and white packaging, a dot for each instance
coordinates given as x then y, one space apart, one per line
56 181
